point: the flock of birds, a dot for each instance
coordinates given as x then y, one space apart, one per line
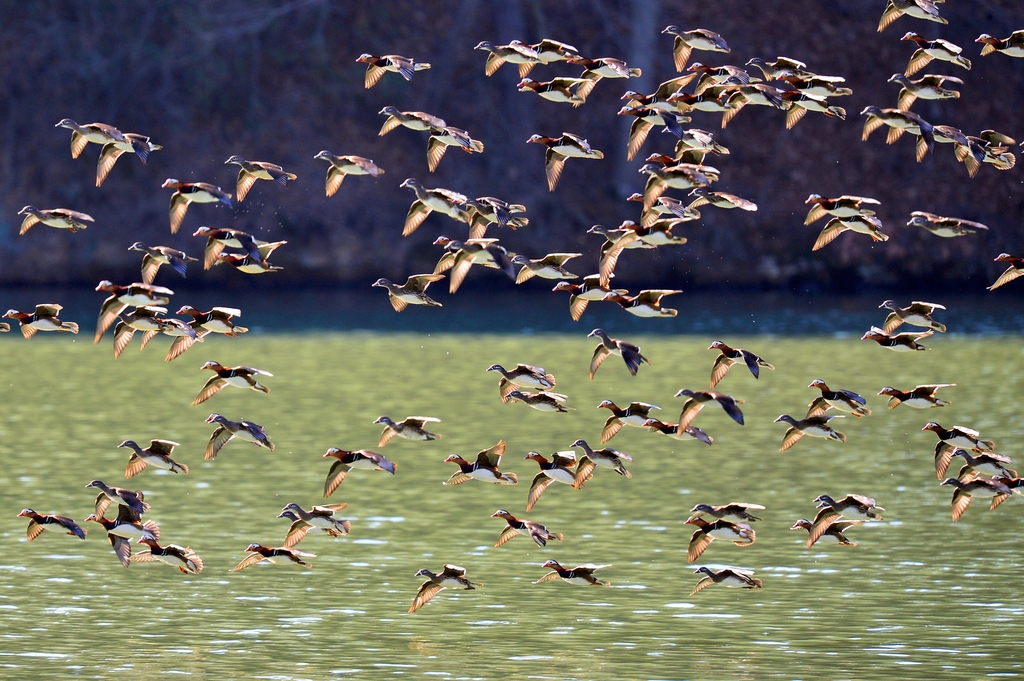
787 85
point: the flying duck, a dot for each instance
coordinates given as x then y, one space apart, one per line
645 118
227 430
725 577
378 66
414 120
161 255
485 467
277 555
735 512
741 534
698 398
487 210
247 264
157 455
97 133
780 68
900 122
972 486
239 377
140 145
117 495
843 400
346 165
451 577
186 193
522 376
606 458
549 51
1015 269
137 295
961 437
833 531
444 201
462 255
842 207
919 9
852 506
218 239
629 353
216 320
921 397
124 529
181 557
581 575
944 454
413 292
542 401
929 86
557 469
561 148
944 226
410 428
697 39
862 224
319 517
148 319
720 200
917 314
901 342
537 532
602 67
646 304
250 171
44 318
516 52
568 90
440 140
636 415
581 294
680 176
991 465
551 266
346 461
730 356
1011 47
927 50
37 522
61 218
815 426
673 431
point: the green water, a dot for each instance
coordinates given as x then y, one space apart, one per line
920 597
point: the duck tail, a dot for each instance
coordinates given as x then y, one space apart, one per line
838 111
261 388
69 326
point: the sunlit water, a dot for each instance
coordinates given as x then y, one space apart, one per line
920 597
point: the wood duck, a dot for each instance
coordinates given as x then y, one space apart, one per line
720 200
606 458
716 75
815 426
516 52
148 319
843 400
730 356
410 428
239 377
1011 47
929 86
646 304
1015 269
124 529
557 469
279 555
537 532
549 51
346 461
462 255
218 239
616 241
697 39
645 118
346 165
943 226
414 120
227 430
734 96
921 397
658 100
551 266
636 415
735 511
216 320
962 437
157 455
567 90
487 210
676 433
725 577
580 295
972 486
919 9
444 201
522 376
542 401
862 224
320 517
842 207
37 522
181 557
781 67
680 176
917 314
61 218
852 506
561 148
901 342
603 67
451 577
97 133
183 334
161 255
440 140
108 495
137 295
991 465
741 534
581 575
413 292
485 467
248 265
818 86
394 63
186 193
927 50
698 398
140 145
900 122
833 531
44 318
250 171
629 353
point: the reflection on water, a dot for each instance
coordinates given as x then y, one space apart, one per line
919 598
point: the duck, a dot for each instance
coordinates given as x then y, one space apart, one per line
833 531
1015 269
900 122
61 218
148 319
917 314
161 255
645 304
516 52
944 226
919 9
465 254
487 210
736 512
1011 47
992 465
698 398
227 430
581 575
706 197
549 51
842 207
696 39
250 171
799 103
725 577
218 239
410 428
394 63
781 67
183 334
994 146
306 528
815 426
556 469
606 458
320 517
133 499
944 454
658 99
734 96
695 145
729 356
540 534
967 489
140 145
615 241
644 120
450 577
124 529
927 50
137 294
741 534
717 75
862 224
279 555
414 120
485 468
551 266
561 148
843 400
181 557
412 292
629 353
37 522
248 265
157 455
346 461
580 295
921 397
346 165
635 414
440 140
542 401
603 67
930 86
961 437
186 193
43 318
239 377
444 201
853 506
97 133
818 86
676 433
901 342
710 101
216 320
680 176
563 90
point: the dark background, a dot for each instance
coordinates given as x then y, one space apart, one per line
278 81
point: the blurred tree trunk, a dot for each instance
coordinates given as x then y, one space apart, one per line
643 18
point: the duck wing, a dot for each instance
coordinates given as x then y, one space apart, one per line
506 534
335 477
540 483
491 458
220 437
